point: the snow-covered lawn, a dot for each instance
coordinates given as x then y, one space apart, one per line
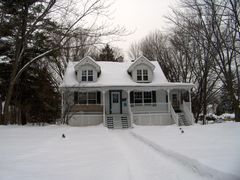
215 145
32 153
90 153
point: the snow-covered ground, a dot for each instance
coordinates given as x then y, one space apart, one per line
91 153
216 146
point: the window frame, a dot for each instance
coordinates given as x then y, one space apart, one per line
142 75
137 98
90 75
144 98
139 75
84 75
147 96
145 75
87 75
87 99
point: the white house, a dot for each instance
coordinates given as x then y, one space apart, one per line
120 94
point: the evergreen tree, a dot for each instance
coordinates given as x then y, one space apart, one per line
34 92
106 54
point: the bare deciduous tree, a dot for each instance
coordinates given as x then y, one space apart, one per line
89 9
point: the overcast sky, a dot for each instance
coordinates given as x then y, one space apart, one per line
142 17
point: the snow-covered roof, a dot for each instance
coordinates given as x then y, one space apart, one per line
87 60
115 74
141 60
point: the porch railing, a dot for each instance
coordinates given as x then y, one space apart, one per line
187 113
87 108
174 115
149 107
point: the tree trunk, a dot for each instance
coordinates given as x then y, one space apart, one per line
6 113
23 118
20 46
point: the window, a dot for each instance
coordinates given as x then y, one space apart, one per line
139 75
142 75
145 75
84 75
92 98
82 98
87 75
87 97
90 75
139 98
115 98
147 97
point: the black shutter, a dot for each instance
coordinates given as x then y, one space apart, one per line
131 97
75 97
166 98
154 96
98 97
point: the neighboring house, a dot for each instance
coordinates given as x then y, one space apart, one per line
120 94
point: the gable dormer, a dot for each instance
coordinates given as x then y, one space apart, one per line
87 70
141 70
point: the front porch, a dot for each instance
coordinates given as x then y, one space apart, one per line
121 108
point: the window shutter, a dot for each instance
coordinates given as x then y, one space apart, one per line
154 96
98 97
131 97
75 97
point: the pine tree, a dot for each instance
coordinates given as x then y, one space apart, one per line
34 92
106 54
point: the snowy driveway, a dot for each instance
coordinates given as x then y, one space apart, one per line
89 153
145 163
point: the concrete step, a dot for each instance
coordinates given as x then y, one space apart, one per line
117 122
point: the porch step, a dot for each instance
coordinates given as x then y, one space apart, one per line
125 123
109 122
117 122
182 120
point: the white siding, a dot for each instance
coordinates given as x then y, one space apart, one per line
85 120
161 96
153 119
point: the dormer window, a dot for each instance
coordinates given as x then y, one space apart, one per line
87 70
141 70
87 75
142 75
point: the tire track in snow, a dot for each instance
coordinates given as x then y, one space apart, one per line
192 164
145 163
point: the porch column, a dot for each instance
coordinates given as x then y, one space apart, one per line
104 112
169 104
190 100
129 107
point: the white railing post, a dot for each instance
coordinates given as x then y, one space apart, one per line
104 112
174 115
169 104
188 114
129 107
190 100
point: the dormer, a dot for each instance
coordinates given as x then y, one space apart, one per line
87 70
141 70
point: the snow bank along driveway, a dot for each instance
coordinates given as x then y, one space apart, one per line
92 153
